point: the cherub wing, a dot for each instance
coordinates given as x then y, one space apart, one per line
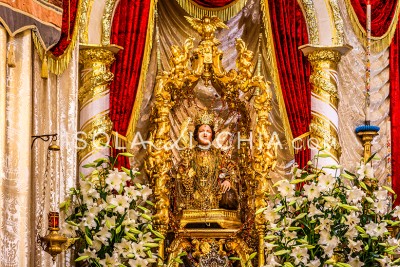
196 23
218 23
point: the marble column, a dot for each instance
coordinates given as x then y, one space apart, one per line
95 125
324 100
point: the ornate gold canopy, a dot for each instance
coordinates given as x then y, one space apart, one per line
242 90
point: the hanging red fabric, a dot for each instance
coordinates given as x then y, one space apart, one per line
129 30
394 67
289 32
213 3
68 21
382 13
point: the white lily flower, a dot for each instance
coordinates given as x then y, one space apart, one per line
311 191
146 192
381 207
355 195
355 246
326 182
300 255
109 261
355 262
285 188
376 230
365 171
314 263
138 262
272 261
381 194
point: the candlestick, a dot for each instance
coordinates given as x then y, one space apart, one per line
368 65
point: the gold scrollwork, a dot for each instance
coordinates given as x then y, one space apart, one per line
323 77
96 55
106 21
96 75
326 135
311 19
203 248
94 135
86 6
338 21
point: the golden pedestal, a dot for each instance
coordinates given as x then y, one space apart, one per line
366 138
224 218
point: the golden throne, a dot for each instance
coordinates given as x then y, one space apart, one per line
249 95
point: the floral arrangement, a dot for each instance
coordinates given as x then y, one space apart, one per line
109 216
331 218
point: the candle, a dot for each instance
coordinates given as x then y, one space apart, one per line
53 219
368 65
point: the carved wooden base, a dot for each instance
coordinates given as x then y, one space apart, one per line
221 217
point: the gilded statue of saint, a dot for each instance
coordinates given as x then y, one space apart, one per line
206 177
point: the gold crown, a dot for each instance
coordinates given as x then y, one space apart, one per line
205 118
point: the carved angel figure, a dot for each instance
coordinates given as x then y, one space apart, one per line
180 57
244 61
206 26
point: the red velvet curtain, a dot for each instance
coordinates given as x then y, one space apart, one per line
213 3
394 59
290 31
68 21
382 12
129 31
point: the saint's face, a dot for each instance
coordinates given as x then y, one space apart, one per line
204 135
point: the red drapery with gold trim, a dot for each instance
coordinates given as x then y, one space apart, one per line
68 21
382 13
290 31
129 31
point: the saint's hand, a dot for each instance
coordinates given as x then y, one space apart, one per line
225 186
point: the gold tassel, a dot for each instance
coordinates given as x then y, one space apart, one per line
45 69
224 13
58 65
11 54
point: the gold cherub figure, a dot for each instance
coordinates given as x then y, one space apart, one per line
206 26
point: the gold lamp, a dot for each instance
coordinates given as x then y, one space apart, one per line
52 243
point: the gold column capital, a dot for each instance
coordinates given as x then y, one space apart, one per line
104 54
324 56
310 48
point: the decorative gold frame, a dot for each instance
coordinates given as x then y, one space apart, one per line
188 66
